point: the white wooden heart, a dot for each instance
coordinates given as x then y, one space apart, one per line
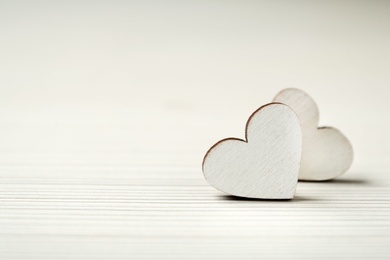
266 164
326 152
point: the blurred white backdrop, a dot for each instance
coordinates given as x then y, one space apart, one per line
120 77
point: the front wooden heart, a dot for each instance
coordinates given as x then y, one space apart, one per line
326 152
266 164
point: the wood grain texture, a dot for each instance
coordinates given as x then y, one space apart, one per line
118 191
108 211
326 152
266 164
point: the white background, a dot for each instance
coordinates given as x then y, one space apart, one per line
72 71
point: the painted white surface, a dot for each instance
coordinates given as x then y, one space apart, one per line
326 152
266 164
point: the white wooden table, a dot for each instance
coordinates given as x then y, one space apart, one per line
156 205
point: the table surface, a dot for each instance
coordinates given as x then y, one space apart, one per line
157 205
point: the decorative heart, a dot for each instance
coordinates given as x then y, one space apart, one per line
266 164
326 152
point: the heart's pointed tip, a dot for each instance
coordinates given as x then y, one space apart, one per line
266 197
269 199
314 180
